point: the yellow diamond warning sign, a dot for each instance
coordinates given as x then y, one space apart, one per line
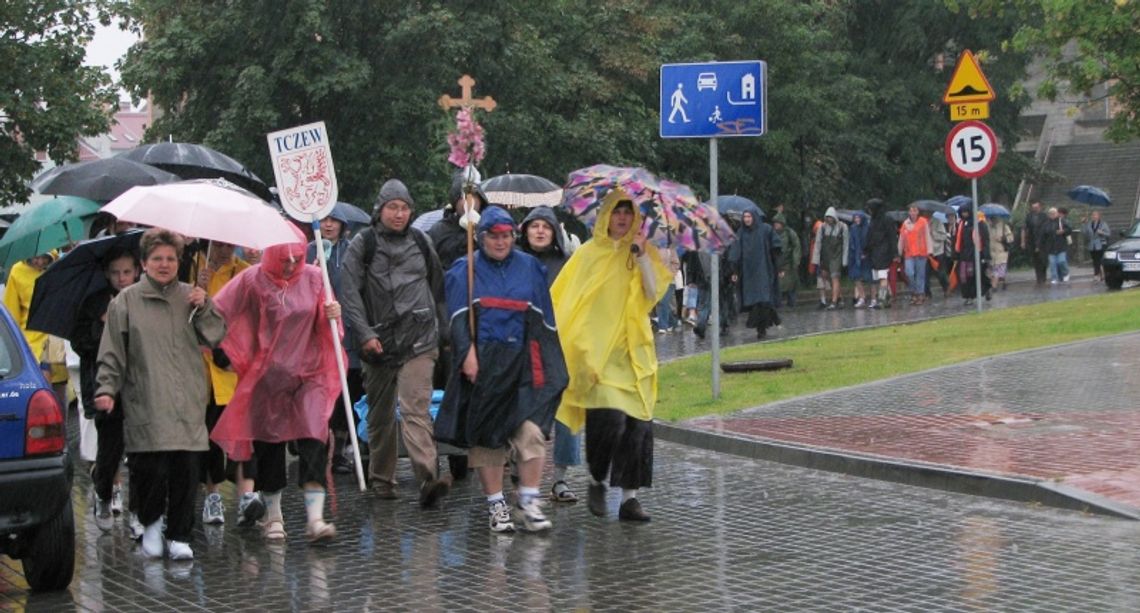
968 84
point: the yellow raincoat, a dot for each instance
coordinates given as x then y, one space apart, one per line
18 299
603 324
222 381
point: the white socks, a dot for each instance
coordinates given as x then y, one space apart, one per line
315 505
527 494
272 506
496 497
627 494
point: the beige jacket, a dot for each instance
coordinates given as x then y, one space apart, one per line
151 358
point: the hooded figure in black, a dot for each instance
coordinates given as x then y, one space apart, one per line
448 235
554 255
964 254
881 249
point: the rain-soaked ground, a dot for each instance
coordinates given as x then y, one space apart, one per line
806 319
727 534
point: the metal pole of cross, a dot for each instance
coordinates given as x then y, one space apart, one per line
714 100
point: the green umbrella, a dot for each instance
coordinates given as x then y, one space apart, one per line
44 226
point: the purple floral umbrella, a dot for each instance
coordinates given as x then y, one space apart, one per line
672 214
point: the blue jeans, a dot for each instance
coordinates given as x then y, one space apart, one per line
567 446
666 317
916 273
1058 266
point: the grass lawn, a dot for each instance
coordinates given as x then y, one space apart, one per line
837 360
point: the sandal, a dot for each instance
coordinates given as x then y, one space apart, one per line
561 492
274 530
319 531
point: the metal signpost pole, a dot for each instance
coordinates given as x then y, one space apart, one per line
977 239
714 272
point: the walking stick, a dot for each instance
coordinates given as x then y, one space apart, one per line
468 183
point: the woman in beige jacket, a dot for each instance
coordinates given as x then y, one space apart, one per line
151 368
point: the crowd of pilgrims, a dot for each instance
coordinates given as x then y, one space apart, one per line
207 363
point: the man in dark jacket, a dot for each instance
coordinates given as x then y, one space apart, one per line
1054 243
393 301
1031 235
881 250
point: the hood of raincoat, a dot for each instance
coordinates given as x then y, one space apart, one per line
456 192
494 216
602 225
832 213
393 189
274 258
546 214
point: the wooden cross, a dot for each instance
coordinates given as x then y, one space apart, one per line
466 84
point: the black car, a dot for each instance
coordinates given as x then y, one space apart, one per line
1122 259
36 521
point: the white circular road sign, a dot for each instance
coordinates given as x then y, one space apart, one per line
971 149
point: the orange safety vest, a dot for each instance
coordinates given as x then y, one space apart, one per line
914 238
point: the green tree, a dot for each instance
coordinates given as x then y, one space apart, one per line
1084 45
47 97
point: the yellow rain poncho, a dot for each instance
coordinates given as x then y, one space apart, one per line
603 322
222 381
18 299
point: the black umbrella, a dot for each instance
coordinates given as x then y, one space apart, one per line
932 206
350 215
102 180
63 287
896 216
193 161
526 191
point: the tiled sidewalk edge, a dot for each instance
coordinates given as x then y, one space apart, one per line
949 478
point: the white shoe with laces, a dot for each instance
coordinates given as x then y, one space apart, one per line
500 517
531 515
213 512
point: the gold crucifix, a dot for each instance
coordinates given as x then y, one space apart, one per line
466 84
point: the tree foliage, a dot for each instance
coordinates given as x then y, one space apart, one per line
1085 44
47 97
854 98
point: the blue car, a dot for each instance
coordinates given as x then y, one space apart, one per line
36 521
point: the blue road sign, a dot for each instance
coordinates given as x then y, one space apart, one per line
714 100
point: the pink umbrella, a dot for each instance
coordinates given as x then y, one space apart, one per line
213 209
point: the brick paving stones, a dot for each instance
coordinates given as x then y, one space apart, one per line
728 534
1068 414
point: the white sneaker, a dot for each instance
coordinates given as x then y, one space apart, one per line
152 540
134 526
860 303
1066 278
104 519
532 517
213 512
117 499
251 508
500 517
177 550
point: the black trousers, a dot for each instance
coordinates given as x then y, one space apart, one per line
213 460
338 422
167 484
1097 258
620 447
269 464
109 429
1040 265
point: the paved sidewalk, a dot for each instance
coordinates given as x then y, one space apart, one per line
805 319
1066 415
728 534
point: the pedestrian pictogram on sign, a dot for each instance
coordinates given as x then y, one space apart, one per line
968 84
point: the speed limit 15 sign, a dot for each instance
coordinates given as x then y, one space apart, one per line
971 149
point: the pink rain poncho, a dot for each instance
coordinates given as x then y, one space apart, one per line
280 344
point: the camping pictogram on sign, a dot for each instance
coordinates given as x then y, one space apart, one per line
968 84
